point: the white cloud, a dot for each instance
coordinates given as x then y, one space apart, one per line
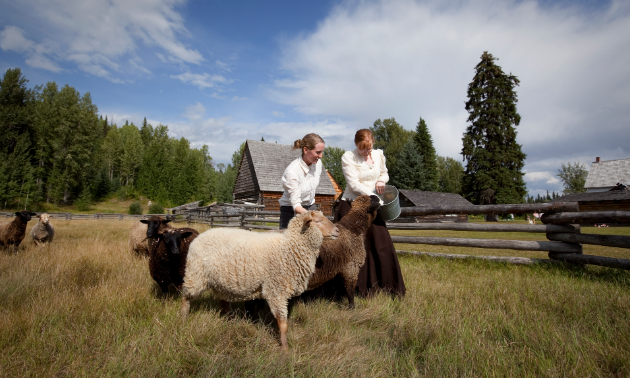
538 176
236 98
277 114
97 34
409 59
202 81
195 112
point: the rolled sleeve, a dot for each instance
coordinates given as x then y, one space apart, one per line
384 177
351 174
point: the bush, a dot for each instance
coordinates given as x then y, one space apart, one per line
156 208
85 200
135 208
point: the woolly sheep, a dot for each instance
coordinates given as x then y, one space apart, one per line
167 258
346 255
43 232
12 233
240 265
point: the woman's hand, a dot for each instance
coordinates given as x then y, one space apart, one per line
380 187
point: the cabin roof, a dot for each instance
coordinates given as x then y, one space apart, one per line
608 173
609 195
271 159
425 198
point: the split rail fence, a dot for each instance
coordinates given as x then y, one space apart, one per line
561 224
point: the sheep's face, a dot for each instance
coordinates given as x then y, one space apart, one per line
25 216
153 225
172 239
317 219
43 218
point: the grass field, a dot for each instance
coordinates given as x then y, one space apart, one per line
86 306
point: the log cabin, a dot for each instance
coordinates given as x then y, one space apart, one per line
410 198
259 178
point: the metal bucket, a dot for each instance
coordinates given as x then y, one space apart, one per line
390 209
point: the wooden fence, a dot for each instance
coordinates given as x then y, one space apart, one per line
561 224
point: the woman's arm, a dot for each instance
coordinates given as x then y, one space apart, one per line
384 177
291 185
352 175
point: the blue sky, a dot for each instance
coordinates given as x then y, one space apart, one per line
218 72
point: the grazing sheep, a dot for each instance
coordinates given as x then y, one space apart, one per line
43 232
240 265
167 258
12 234
346 255
138 241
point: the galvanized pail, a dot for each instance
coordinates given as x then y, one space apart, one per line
390 209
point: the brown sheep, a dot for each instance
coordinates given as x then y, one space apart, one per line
345 256
167 258
12 234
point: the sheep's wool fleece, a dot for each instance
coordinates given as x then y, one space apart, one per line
240 265
42 233
138 241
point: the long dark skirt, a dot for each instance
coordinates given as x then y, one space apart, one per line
381 271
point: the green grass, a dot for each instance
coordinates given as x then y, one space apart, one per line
86 306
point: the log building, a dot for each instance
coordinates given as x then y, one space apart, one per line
259 178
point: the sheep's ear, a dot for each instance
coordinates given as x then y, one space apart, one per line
166 221
34 214
308 218
186 234
144 221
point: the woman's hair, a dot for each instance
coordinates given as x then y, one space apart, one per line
309 141
364 139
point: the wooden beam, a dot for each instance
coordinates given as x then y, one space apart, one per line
491 209
507 260
591 217
520 245
593 260
607 240
502 227
268 220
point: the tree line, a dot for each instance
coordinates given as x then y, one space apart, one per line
55 148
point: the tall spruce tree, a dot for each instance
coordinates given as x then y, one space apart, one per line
424 142
494 159
409 172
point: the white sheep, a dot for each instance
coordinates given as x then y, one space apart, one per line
138 241
43 232
240 265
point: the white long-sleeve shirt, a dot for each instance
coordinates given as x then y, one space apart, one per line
360 177
299 182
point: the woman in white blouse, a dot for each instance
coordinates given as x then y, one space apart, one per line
300 179
365 172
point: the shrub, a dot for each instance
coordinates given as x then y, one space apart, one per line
85 200
135 208
156 208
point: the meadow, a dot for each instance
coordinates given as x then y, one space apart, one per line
86 306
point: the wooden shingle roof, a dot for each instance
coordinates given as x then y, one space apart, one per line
609 195
608 173
271 159
424 198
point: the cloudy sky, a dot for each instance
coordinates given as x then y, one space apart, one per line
218 72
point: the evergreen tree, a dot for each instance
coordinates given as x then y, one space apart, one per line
17 136
494 159
262 139
424 141
332 162
408 172
450 175
146 131
391 137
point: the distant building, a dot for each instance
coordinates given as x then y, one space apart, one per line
259 178
604 175
410 198
602 191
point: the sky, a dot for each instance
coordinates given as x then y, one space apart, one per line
220 72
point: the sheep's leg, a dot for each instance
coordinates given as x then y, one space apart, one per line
185 306
350 288
225 307
283 326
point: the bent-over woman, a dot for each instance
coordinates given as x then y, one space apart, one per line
300 179
365 172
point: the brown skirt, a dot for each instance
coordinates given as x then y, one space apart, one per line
381 271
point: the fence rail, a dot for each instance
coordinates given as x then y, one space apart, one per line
560 225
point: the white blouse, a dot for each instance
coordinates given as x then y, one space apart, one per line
299 182
360 177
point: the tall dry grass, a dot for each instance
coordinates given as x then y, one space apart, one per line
87 306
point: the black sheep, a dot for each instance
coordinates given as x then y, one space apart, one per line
12 234
167 256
